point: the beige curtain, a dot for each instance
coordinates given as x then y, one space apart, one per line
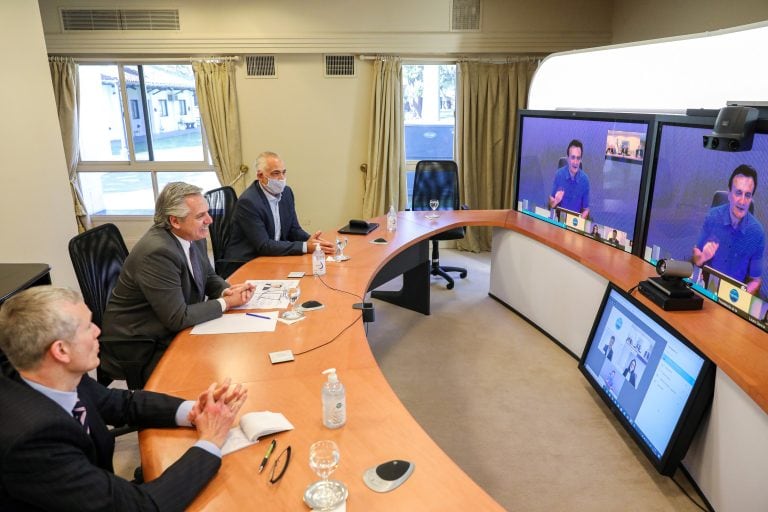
386 154
489 97
217 99
65 90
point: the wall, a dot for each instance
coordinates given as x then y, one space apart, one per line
652 19
38 219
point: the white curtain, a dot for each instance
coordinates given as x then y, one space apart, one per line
489 96
65 90
384 182
219 113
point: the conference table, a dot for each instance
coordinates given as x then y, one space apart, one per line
379 428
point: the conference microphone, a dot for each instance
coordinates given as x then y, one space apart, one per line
670 269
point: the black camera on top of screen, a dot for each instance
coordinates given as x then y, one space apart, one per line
734 129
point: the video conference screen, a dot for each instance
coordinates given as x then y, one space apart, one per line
582 173
709 207
653 379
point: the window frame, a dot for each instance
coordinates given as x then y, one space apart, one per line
410 165
133 165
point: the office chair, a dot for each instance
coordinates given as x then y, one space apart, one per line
721 197
221 204
97 256
439 179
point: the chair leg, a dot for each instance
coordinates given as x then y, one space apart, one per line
437 270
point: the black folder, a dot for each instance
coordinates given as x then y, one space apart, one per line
358 227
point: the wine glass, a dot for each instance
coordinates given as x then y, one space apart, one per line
325 494
341 244
292 294
434 203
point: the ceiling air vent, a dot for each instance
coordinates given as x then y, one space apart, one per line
339 65
465 15
260 66
120 19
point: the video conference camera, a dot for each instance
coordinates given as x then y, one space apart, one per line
734 129
669 290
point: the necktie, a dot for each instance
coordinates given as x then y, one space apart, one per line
193 262
79 413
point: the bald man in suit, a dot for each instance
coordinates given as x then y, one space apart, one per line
55 450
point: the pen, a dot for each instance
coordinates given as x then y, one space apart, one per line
258 316
266 455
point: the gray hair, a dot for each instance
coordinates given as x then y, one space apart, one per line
31 321
261 161
171 201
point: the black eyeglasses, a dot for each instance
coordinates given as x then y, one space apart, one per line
280 465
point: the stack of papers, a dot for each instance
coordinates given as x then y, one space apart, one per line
238 322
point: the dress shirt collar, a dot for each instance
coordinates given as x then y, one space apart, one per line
65 399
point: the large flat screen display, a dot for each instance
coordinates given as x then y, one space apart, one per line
655 382
583 171
710 208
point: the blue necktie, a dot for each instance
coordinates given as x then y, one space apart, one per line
80 414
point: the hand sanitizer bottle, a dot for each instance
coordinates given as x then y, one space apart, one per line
391 218
318 261
334 401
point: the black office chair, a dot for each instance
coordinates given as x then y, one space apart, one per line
439 179
221 205
97 257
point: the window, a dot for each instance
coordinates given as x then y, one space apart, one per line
429 111
134 109
125 159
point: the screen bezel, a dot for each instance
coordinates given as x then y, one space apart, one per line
619 117
693 411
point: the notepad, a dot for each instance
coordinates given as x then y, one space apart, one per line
238 322
254 425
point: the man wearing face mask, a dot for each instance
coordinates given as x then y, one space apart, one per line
264 222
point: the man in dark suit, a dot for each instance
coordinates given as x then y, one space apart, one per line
264 222
55 450
167 276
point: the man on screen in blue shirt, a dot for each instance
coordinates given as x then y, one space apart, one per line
571 186
732 240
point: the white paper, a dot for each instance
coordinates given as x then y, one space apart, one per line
268 294
254 425
238 322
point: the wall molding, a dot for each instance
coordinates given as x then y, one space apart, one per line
403 43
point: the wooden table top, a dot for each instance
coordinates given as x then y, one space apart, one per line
379 428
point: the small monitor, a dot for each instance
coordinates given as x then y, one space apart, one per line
653 379
583 171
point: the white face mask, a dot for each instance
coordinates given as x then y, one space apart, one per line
275 187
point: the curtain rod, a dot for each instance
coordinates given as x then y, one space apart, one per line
501 59
143 60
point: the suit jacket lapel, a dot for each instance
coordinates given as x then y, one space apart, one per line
268 209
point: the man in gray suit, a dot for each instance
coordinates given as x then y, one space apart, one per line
55 448
167 276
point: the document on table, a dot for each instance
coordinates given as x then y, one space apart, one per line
238 322
269 294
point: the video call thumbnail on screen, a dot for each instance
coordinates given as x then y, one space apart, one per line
595 165
649 375
693 208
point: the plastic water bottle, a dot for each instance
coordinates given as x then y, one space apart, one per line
334 401
391 219
318 261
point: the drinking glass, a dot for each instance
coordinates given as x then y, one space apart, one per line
292 294
324 494
341 244
434 203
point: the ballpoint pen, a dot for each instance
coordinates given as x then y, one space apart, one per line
266 455
258 316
